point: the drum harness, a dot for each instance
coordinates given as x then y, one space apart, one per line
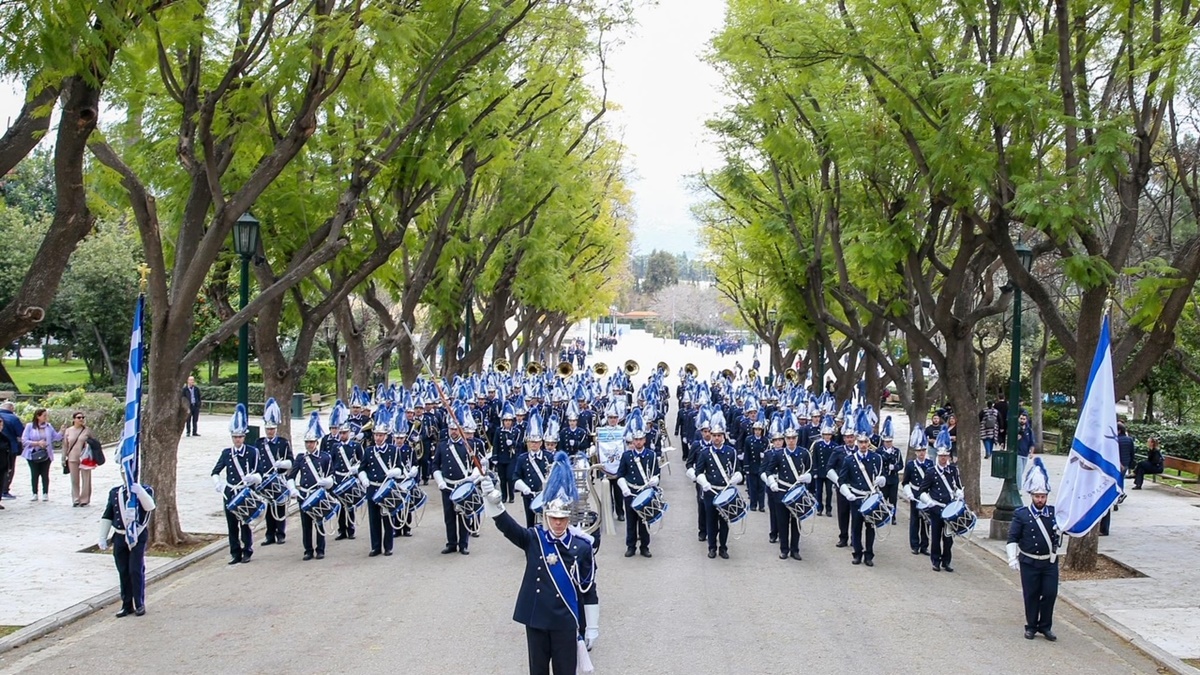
278 511
788 456
351 514
880 533
712 451
318 523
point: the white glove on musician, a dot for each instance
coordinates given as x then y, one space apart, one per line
218 484
691 474
492 500
958 494
143 497
441 482
522 488
702 481
1013 561
624 486
283 465
845 490
363 481
326 482
252 479
292 488
880 481
831 476
592 633
805 478
412 473
653 482
773 483
395 473
736 478
105 526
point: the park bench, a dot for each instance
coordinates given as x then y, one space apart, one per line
1051 441
1171 463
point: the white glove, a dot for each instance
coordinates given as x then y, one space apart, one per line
474 476
353 468
771 481
283 465
395 472
907 493
926 500
653 482
522 488
441 482
489 490
958 494
252 479
736 478
292 488
702 481
880 481
691 474
845 490
592 632
326 482
1013 561
831 476
363 480
218 484
143 497
805 478
624 485
105 526
412 473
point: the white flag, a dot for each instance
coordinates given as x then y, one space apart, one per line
1092 480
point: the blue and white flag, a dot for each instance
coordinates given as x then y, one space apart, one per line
1092 480
131 436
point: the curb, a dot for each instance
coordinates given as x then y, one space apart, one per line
1164 659
49 624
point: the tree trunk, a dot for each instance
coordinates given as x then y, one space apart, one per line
1035 388
960 362
1082 552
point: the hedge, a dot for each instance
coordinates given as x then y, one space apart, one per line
105 414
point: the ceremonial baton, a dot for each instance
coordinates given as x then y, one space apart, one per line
445 401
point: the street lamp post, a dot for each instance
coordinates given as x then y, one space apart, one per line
245 244
1004 464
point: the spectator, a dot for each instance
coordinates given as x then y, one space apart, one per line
1002 417
934 428
38 440
75 441
952 427
1125 448
1153 464
1025 444
10 447
191 394
989 428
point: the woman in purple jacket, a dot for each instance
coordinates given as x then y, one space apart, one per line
38 443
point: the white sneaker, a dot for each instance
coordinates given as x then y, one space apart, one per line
33 498
45 498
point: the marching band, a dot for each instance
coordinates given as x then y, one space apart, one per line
484 439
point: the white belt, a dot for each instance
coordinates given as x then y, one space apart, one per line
1032 556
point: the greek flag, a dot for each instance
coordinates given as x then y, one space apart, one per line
1092 480
131 436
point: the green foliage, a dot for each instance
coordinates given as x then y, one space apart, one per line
661 271
105 414
29 188
1178 441
320 378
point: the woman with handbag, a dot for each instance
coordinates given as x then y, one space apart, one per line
38 442
75 445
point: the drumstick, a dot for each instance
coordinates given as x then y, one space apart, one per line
445 401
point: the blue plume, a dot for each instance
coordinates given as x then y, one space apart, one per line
240 422
560 483
314 432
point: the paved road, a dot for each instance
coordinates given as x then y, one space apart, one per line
676 613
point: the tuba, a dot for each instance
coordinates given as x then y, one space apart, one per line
501 366
564 369
632 367
600 369
791 375
727 374
752 375
663 368
690 369
534 369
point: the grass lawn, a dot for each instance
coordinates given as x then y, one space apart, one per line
70 374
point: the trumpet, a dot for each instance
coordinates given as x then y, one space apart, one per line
632 367
564 369
600 369
534 369
663 368
501 366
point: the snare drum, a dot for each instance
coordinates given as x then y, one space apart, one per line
388 496
320 505
246 506
958 519
350 492
467 499
875 510
730 505
273 489
414 496
800 502
538 503
649 505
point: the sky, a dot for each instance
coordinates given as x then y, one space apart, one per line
666 92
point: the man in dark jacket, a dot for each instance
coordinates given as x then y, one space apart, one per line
1126 449
191 396
10 446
